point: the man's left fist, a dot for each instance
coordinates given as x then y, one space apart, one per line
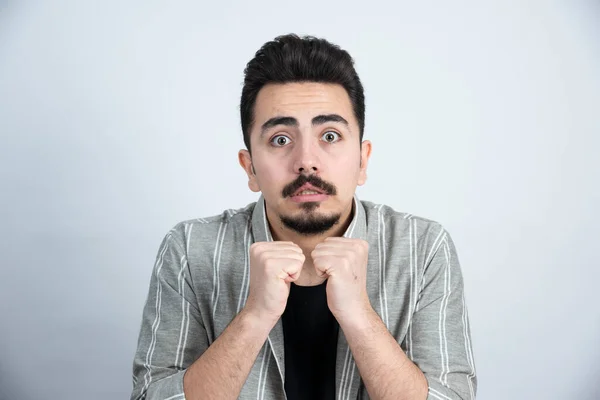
344 262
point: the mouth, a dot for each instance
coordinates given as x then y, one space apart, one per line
308 193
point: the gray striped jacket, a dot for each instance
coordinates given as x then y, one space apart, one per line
200 282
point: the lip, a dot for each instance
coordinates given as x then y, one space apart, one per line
309 197
308 186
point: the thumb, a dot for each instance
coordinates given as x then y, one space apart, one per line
321 268
288 277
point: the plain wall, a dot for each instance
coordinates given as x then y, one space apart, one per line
120 119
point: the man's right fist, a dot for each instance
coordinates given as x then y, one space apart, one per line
273 265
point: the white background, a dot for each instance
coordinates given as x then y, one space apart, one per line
120 119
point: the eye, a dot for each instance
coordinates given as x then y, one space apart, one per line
330 136
280 140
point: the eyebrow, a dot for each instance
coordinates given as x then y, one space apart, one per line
293 122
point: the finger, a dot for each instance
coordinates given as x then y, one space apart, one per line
293 277
340 239
286 246
289 275
323 272
281 274
323 267
292 268
264 246
328 252
284 255
336 245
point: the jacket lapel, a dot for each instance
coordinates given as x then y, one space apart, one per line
261 232
347 377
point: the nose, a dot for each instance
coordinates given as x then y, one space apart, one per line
306 160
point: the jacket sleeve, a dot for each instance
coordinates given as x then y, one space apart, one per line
439 335
172 335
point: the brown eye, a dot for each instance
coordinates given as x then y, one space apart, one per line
331 136
280 140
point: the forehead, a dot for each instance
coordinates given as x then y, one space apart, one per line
302 100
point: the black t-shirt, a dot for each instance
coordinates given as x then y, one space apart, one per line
310 334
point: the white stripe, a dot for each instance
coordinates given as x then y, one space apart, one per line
342 380
438 395
380 266
267 230
217 262
266 374
183 314
189 236
435 245
245 297
434 248
384 265
417 289
350 230
468 349
181 287
383 273
468 377
407 216
352 369
187 330
381 249
156 323
246 265
413 302
440 328
449 271
176 396
262 366
187 308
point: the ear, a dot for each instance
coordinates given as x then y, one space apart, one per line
365 154
245 160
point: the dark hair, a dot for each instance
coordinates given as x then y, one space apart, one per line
289 58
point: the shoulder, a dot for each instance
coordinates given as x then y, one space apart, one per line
209 227
376 211
428 233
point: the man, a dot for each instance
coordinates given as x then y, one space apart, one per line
308 293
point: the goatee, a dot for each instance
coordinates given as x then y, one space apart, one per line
310 225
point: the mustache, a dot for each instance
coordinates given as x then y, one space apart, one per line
314 180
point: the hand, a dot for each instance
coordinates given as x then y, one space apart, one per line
344 262
273 265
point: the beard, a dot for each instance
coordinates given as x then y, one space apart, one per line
309 223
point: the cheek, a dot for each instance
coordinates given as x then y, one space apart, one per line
345 170
273 177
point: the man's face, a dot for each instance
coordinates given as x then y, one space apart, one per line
306 134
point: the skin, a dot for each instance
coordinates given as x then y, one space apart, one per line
341 161
342 164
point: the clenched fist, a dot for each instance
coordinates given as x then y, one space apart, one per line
343 261
273 265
